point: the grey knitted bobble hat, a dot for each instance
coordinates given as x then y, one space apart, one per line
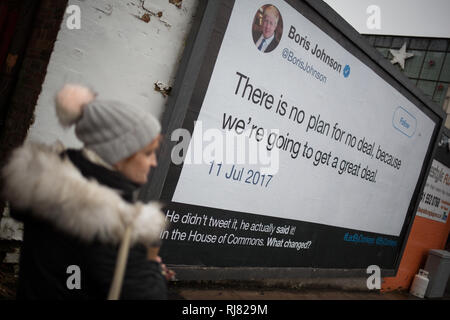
111 129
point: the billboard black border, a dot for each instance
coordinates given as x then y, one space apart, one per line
443 150
199 57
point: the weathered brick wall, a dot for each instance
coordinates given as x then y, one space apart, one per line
24 84
18 106
20 110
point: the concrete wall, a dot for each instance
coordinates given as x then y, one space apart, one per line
116 51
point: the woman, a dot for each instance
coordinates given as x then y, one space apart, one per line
76 204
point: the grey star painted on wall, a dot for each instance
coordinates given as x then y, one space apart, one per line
400 56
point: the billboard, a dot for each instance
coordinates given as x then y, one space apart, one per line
301 152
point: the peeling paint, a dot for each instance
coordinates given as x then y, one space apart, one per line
155 10
164 89
145 17
176 3
118 55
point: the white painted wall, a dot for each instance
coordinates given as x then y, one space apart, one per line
414 18
117 54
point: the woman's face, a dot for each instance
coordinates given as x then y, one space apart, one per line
137 167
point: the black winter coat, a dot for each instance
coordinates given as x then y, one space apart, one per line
72 219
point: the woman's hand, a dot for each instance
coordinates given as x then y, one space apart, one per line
167 273
152 255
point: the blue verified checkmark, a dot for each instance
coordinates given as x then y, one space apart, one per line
346 71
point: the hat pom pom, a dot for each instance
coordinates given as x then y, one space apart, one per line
70 102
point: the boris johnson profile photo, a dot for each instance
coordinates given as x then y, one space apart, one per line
267 28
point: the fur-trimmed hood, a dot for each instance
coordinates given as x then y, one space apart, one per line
37 180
